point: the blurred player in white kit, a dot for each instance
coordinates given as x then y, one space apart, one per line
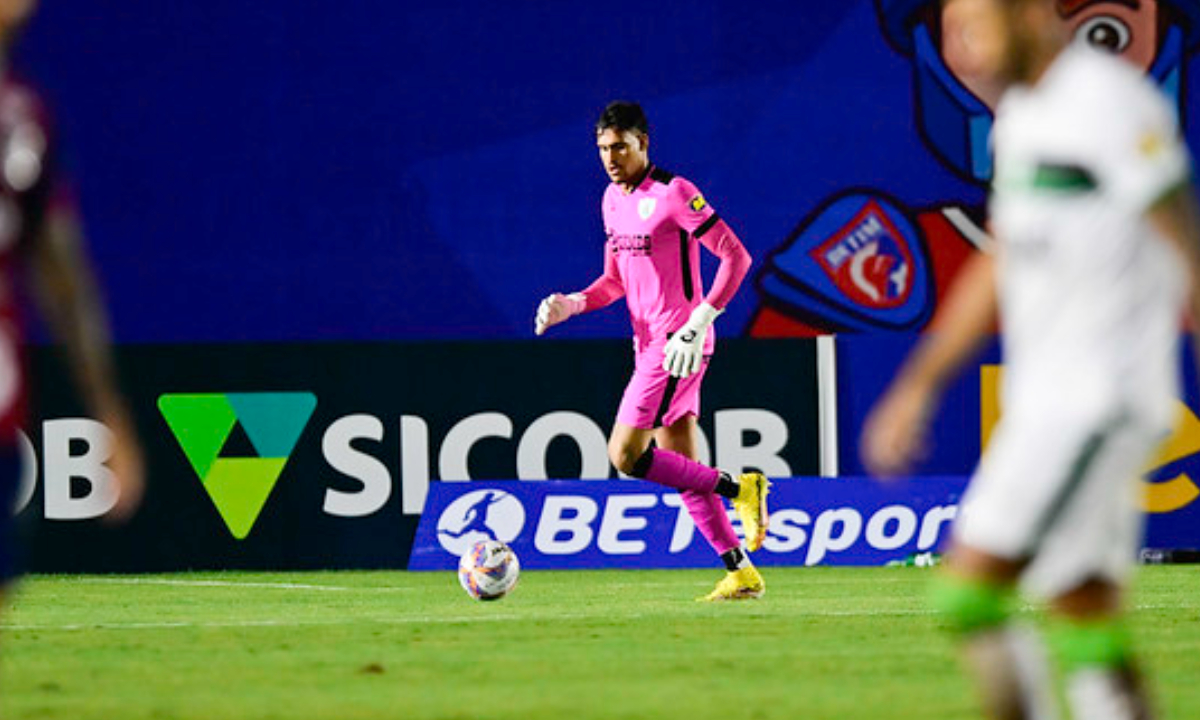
1096 258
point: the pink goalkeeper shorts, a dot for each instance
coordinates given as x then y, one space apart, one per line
653 398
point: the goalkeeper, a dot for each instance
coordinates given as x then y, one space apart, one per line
655 223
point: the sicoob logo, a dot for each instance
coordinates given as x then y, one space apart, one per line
480 515
238 486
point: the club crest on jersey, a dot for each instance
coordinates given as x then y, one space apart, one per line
697 203
646 207
1151 144
869 260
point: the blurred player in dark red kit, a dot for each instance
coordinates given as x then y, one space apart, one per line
41 241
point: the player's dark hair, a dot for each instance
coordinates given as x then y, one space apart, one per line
622 115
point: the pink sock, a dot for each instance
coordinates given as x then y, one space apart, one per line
674 470
708 512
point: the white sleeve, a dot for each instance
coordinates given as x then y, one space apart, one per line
1143 157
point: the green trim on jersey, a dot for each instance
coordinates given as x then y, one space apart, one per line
1063 178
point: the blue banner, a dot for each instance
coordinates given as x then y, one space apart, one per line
428 171
635 524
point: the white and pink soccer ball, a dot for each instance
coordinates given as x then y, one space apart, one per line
489 570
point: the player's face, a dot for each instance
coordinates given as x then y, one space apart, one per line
624 154
988 44
14 12
1128 28
977 48
975 42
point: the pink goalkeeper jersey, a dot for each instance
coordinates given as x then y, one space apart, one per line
654 236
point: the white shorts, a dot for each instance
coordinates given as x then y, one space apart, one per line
1062 493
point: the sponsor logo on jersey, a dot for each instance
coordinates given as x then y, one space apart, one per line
646 207
1151 144
869 260
697 203
638 245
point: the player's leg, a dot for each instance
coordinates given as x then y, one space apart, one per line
1056 489
974 595
630 452
627 448
654 399
1020 485
1084 563
10 478
1092 642
707 510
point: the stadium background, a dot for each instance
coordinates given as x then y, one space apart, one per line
366 204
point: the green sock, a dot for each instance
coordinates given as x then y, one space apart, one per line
970 605
1098 643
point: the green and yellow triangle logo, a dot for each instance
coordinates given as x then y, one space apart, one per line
238 486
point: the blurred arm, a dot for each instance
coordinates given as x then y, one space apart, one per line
66 291
894 433
965 321
1177 217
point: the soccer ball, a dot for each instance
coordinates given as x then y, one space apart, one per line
489 570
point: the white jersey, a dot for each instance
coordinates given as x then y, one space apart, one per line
1091 297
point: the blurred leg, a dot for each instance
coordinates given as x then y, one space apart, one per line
1094 648
1006 661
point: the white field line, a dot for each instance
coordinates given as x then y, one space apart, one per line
424 620
450 619
340 588
214 583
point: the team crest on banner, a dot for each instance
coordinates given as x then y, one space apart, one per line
646 207
869 260
859 262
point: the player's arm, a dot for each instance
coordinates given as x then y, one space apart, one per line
894 432
69 301
1149 167
604 291
685 350
735 263
1176 216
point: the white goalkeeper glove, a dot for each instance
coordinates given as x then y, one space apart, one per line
685 350
556 308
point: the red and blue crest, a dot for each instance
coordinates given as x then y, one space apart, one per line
869 260
858 262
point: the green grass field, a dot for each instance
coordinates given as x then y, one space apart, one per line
823 643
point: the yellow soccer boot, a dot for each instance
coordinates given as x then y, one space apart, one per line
751 506
743 584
